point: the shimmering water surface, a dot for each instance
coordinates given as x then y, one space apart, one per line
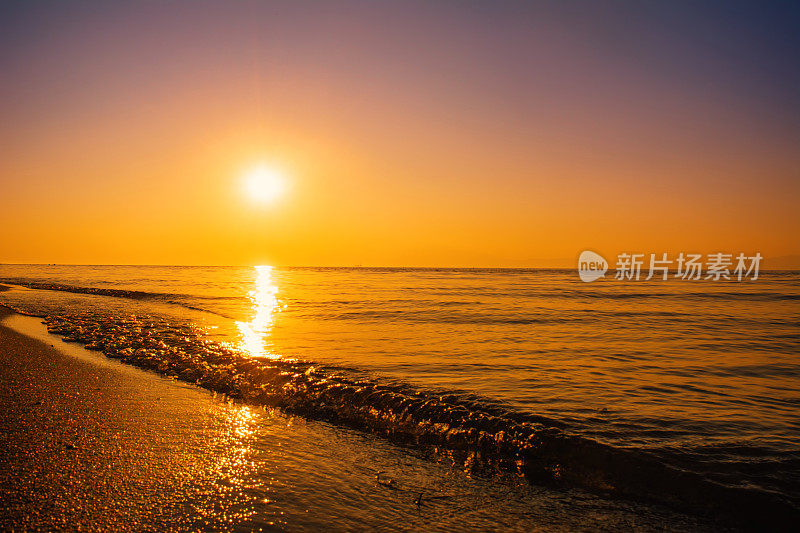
699 376
152 454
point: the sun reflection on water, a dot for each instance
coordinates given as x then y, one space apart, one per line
265 304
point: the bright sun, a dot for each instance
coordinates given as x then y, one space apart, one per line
264 184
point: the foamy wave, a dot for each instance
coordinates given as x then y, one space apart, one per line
476 434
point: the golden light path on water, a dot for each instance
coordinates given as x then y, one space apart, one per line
233 469
265 303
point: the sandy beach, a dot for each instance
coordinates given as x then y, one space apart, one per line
96 445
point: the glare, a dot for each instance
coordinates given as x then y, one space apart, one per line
264 184
265 304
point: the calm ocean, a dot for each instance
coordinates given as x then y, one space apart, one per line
632 388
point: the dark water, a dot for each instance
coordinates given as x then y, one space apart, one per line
674 391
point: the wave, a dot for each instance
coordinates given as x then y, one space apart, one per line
100 291
471 431
165 297
519 292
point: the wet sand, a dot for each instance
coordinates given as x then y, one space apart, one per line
92 444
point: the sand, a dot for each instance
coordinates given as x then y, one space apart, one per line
81 443
91 444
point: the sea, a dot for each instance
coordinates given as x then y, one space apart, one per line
681 393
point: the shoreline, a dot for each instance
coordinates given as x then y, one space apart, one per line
557 461
108 447
80 435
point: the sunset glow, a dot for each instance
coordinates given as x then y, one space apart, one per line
399 266
512 142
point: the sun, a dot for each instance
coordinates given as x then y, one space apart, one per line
264 184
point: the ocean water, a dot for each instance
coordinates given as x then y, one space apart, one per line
681 392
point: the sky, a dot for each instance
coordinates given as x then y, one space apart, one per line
497 134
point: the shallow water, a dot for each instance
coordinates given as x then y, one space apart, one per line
131 450
699 376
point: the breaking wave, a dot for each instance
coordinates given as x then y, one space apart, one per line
473 432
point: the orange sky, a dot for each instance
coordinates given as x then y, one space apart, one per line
410 136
